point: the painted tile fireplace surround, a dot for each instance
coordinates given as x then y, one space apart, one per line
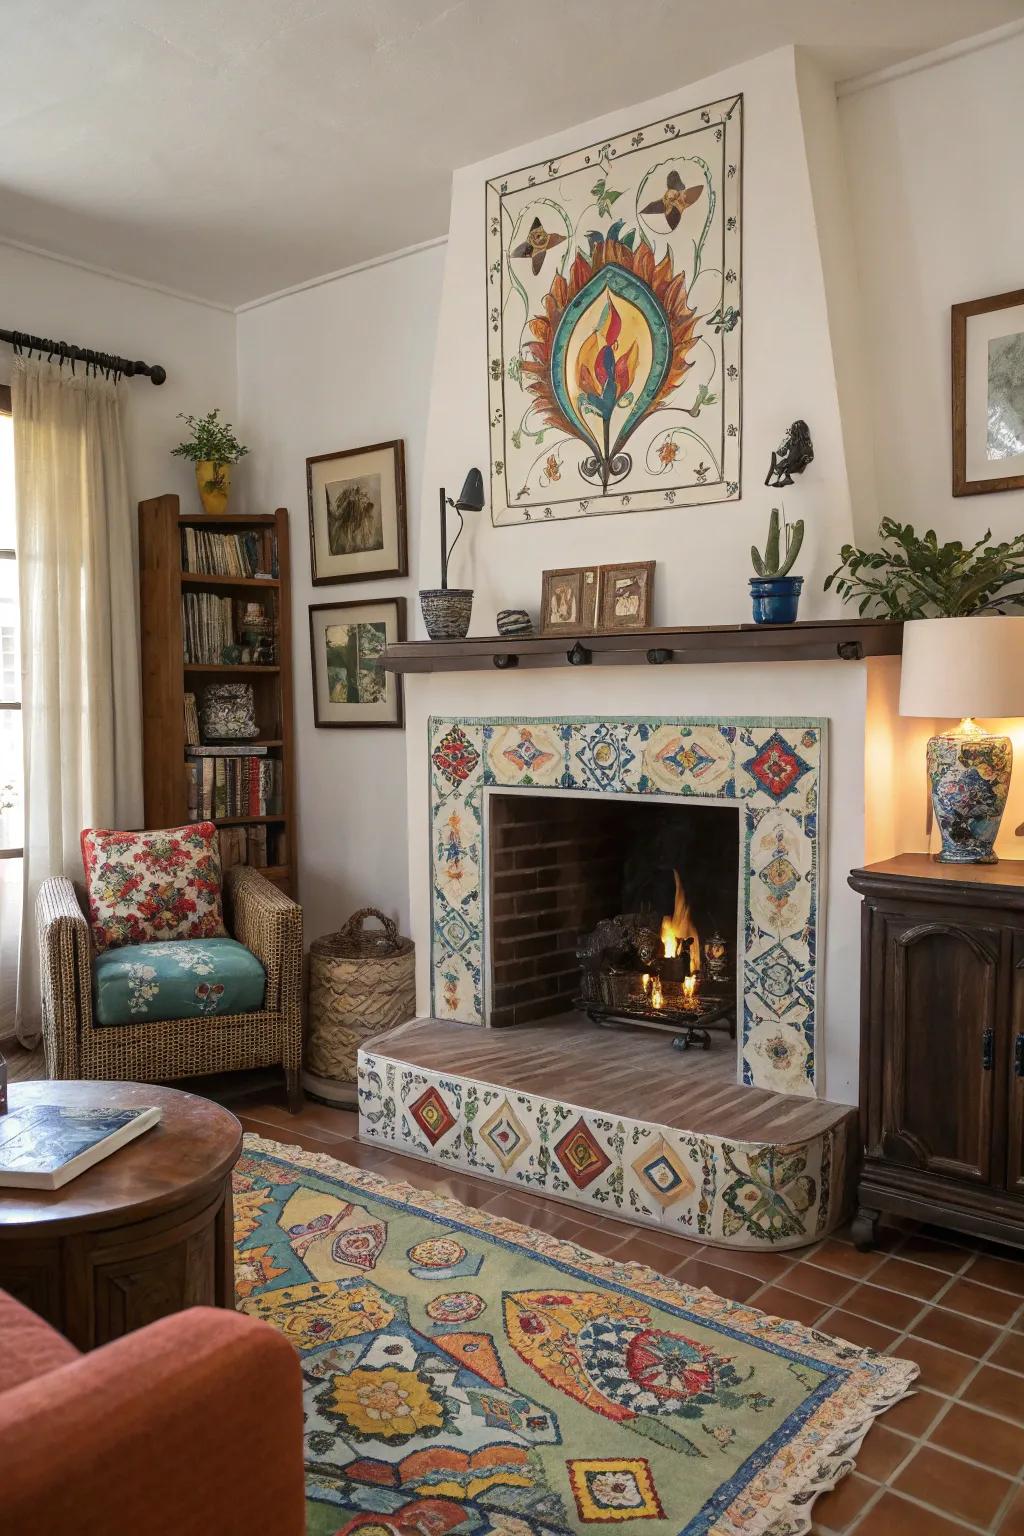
784 1189
772 769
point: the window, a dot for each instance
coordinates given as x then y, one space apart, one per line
11 822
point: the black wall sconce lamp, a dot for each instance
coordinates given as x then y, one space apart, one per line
447 610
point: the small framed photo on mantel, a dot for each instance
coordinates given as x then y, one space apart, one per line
987 345
357 514
347 643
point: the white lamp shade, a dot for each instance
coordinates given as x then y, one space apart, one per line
958 667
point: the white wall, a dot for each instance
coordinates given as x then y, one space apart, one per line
703 553
934 170
335 366
194 342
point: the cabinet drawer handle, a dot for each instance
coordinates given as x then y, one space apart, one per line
987 1050
1018 1055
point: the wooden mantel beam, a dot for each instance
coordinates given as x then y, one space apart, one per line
817 640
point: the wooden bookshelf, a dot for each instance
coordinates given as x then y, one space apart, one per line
166 677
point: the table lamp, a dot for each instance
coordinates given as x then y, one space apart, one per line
962 668
447 610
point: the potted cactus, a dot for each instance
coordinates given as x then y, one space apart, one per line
776 594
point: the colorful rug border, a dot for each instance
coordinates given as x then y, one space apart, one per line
779 1496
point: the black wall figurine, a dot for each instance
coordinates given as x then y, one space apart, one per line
792 456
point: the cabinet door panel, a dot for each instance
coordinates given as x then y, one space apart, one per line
1015 1122
940 1016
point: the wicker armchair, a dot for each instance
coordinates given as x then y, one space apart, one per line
257 914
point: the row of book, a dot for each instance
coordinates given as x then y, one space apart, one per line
235 785
206 626
256 846
228 554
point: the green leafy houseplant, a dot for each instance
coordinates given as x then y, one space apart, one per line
212 442
773 563
918 578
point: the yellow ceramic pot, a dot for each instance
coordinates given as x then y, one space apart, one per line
214 482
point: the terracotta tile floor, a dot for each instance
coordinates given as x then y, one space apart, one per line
949 1459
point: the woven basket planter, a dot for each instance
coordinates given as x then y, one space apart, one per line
360 984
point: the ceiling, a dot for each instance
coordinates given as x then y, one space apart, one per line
231 148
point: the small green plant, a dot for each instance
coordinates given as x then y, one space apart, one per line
772 563
213 441
919 578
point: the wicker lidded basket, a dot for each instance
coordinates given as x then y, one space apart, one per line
360 984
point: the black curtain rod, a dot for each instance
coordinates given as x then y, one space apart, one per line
22 342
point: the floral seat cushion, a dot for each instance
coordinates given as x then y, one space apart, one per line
178 979
153 885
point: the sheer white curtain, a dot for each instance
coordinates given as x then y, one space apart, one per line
81 702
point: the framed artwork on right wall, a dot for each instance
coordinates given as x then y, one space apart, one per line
987 350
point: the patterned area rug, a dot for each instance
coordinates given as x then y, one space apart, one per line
468 1375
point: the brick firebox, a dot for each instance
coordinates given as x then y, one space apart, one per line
558 864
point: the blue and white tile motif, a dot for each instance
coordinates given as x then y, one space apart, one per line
772 767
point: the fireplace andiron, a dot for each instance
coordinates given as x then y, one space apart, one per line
626 979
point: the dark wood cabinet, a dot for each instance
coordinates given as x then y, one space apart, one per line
942 1045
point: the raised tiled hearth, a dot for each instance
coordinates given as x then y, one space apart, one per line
614 1120
526 814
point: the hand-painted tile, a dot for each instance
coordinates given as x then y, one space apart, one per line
781 874
691 759
603 755
527 754
456 856
778 1051
779 765
456 755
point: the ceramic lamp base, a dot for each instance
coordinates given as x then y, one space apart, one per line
969 773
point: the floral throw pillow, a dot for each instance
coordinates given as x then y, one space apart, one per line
144 886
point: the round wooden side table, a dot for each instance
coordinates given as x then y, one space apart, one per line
140 1235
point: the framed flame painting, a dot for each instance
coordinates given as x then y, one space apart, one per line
614 323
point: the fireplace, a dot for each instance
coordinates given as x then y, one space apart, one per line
507 956
558 849
625 910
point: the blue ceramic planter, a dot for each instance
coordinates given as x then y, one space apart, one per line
776 598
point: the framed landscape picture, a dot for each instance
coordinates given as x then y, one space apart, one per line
987 343
347 641
357 514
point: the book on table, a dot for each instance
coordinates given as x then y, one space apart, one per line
44 1146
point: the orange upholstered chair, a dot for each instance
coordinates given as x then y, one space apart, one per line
190 1427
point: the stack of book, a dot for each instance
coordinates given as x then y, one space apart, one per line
243 845
206 627
228 554
232 781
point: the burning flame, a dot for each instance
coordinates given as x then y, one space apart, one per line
678 927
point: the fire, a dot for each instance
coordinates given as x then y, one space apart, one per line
678 927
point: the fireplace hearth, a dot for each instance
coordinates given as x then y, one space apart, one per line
667 873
